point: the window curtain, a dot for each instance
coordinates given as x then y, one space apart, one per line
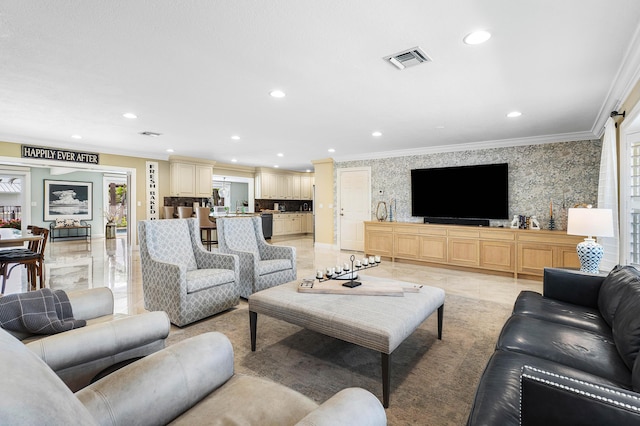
608 194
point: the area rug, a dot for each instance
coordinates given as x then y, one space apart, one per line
432 381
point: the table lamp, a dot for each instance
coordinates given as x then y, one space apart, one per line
591 222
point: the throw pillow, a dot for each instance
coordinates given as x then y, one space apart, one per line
68 222
59 223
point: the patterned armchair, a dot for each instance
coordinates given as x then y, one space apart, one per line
179 276
262 265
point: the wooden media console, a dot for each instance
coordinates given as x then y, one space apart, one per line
518 252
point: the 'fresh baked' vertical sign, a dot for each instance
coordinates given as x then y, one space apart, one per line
152 190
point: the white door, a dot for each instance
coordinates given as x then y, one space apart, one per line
354 202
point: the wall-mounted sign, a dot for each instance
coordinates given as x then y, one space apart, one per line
152 190
44 153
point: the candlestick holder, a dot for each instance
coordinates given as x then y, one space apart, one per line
351 275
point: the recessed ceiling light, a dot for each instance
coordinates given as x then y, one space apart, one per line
332 150
477 37
233 160
276 166
376 134
235 137
514 114
277 94
169 150
76 136
280 154
308 171
129 115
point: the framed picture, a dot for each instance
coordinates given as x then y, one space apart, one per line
68 200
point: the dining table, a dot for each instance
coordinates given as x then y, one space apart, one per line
10 237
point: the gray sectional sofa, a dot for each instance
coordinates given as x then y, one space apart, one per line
567 356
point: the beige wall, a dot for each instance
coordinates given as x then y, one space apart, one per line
323 202
8 149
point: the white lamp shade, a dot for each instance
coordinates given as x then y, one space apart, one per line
590 222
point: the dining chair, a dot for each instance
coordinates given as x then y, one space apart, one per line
32 257
185 212
207 227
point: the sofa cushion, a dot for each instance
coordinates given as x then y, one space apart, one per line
612 289
535 305
497 400
626 325
587 351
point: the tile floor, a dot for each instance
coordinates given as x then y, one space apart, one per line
79 264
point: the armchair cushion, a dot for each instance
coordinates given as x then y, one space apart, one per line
269 266
202 279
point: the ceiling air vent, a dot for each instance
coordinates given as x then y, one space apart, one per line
408 58
151 134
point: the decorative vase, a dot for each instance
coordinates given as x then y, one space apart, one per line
381 211
110 230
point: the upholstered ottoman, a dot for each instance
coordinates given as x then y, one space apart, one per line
380 323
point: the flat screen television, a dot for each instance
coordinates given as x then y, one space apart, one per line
468 195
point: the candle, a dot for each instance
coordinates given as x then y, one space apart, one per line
372 259
319 274
346 267
365 261
338 269
357 263
377 259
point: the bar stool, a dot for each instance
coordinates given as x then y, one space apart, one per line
185 212
168 212
206 225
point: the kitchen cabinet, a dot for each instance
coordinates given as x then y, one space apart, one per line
289 223
306 185
272 185
309 223
190 179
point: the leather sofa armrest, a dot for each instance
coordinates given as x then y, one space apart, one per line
571 286
161 386
351 406
549 398
91 303
86 344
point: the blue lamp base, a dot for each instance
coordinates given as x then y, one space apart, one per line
590 254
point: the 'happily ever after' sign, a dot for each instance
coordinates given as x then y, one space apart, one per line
59 154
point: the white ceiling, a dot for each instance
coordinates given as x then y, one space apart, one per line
199 72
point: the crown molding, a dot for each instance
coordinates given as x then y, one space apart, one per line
625 80
473 146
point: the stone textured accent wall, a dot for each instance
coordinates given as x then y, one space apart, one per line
563 172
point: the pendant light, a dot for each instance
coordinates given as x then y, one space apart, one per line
222 193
